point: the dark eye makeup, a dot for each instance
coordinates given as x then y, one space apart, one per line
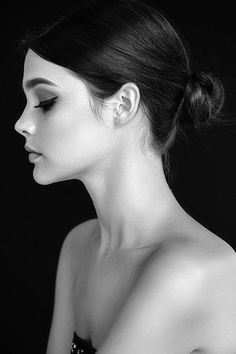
47 104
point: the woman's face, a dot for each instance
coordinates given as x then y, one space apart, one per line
69 137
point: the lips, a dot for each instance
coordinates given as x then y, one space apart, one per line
29 149
33 157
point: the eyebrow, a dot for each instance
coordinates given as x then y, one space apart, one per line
37 81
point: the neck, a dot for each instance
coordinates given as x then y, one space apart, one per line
134 204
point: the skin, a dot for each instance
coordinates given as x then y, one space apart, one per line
135 209
131 196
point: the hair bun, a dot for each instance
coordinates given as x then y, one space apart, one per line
204 98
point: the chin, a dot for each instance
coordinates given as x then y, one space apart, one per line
44 177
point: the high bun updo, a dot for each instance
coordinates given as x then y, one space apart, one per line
108 43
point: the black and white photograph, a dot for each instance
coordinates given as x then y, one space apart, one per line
119 167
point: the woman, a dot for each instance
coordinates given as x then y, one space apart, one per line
108 89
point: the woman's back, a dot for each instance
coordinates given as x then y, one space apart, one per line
102 287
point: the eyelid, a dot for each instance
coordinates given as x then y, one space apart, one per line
45 102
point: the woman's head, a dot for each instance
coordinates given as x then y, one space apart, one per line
59 122
107 45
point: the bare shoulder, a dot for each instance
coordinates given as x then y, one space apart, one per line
76 243
80 234
203 256
204 249
62 325
209 262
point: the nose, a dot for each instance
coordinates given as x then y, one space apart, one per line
24 125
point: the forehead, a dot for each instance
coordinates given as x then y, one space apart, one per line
35 66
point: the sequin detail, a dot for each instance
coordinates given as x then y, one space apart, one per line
81 346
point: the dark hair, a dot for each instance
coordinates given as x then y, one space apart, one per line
108 43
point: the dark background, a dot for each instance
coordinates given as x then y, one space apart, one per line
39 217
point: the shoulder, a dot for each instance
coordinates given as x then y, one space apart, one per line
78 235
74 246
190 271
174 272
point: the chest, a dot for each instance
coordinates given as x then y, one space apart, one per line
100 293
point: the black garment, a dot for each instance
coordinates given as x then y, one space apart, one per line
82 346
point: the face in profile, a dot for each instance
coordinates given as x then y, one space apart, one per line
63 129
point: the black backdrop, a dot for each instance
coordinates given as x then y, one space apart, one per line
39 217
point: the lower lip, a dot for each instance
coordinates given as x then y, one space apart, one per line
33 157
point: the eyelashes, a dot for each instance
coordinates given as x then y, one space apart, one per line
47 104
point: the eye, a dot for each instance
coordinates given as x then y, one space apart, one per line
47 104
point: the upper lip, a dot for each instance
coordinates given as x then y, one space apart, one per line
27 148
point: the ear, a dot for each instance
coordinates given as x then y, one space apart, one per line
125 102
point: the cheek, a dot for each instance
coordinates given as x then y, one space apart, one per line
73 139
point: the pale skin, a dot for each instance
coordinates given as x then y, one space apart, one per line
142 233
